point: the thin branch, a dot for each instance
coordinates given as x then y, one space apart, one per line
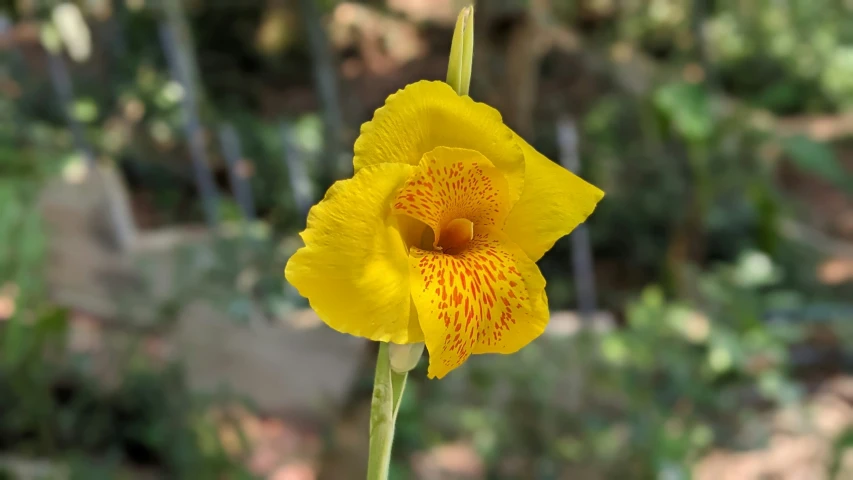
326 82
582 262
231 149
300 182
177 45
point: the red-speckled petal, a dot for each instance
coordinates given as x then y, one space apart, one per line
488 299
455 183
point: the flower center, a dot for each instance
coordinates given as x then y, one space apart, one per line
455 235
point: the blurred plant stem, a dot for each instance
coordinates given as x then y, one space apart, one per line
687 246
177 44
388 387
325 79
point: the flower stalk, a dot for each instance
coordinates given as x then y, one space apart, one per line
388 387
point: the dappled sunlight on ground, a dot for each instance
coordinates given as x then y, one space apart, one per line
801 446
274 448
456 460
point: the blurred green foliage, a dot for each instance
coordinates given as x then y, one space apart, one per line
789 57
52 403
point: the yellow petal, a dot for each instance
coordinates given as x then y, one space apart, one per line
454 184
353 268
426 115
553 203
488 299
525 286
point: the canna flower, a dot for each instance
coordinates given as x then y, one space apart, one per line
436 236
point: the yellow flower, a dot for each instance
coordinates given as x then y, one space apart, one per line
436 236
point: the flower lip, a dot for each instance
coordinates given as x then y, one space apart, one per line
453 194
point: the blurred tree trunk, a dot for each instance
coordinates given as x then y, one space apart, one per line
525 49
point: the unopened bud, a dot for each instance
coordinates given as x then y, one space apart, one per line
405 357
462 52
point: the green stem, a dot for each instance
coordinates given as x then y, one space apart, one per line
388 387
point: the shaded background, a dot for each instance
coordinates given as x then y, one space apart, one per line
157 159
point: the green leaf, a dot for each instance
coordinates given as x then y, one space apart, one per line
52 325
16 343
842 444
85 110
688 108
817 159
